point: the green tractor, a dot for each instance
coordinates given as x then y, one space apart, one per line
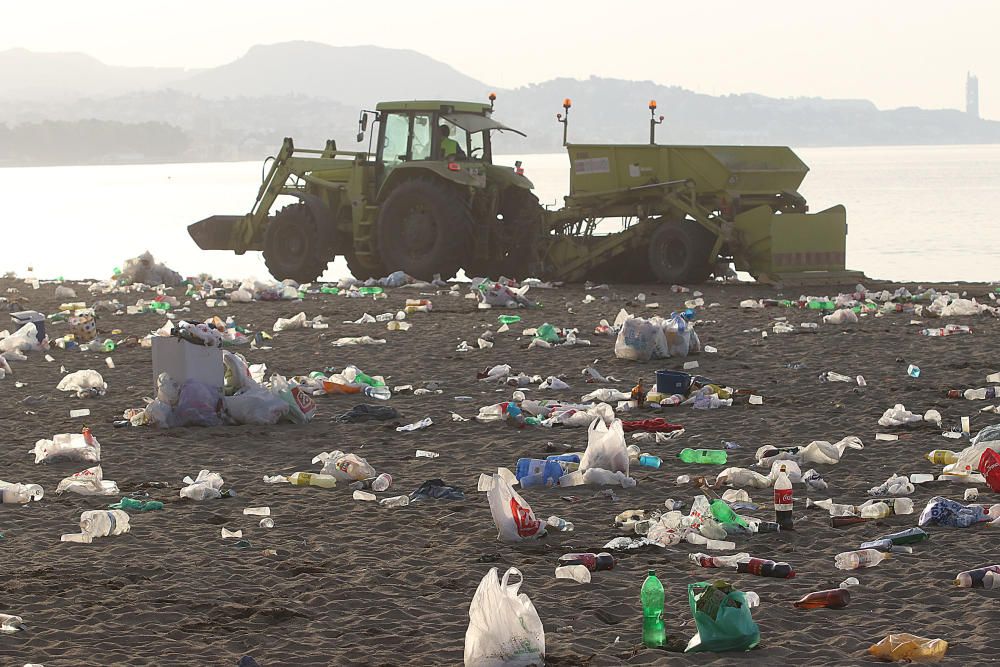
428 200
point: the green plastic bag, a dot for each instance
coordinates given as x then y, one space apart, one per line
722 617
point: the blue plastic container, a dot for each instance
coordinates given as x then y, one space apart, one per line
672 382
538 472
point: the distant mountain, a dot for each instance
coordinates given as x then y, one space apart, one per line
312 92
27 75
358 75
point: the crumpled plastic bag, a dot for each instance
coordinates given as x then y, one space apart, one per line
198 404
898 416
357 340
842 316
896 485
722 617
294 322
497 295
302 408
237 373
742 477
956 308
910 648
254 406
89 482
82 447
207 486
816 452
345 467
144 269
23 340
941 511
84 383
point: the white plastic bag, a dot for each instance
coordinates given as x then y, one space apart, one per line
257 407
81 447
84 383
677 332
640 340
512 514
89 482
504 627
207 486
285 323
605 447
345 467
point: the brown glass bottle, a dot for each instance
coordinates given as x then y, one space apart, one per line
836 598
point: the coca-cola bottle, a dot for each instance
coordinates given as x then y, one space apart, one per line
765 568
591 561
783 500
836 598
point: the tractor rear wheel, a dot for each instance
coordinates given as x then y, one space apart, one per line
423 228
516 251
678 252
291 245
362 269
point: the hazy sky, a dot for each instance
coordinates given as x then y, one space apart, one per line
893 52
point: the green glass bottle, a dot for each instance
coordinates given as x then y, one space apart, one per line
508 319
723 513
715 456
370 291
653 632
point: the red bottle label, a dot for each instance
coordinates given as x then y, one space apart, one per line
783 499
989 465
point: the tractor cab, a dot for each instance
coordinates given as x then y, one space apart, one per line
431 131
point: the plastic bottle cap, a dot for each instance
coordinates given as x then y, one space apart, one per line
652 573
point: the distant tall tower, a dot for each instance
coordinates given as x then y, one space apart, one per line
972 94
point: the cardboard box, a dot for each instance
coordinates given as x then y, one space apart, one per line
185 361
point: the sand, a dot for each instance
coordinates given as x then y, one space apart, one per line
355 584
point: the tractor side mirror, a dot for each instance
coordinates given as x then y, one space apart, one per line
364 122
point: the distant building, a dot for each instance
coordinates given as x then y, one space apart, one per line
972 94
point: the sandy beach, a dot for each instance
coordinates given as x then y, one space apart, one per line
357 584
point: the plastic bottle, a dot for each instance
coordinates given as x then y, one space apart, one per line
653 631
783 500
712 456
20 493
705 560
559 524
409 310
101 523
765 568
942 457
723 513
853 560
650 461
908 536
983 577
508 319
312 479
395 501
836 598
381 393
980 394
593 562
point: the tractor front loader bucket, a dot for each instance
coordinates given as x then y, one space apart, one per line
221 232
794 248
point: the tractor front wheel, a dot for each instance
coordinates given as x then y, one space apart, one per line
678 252
423 228
291 245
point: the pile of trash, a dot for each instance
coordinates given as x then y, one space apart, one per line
641 339
502 293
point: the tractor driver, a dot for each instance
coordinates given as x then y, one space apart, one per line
449 147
